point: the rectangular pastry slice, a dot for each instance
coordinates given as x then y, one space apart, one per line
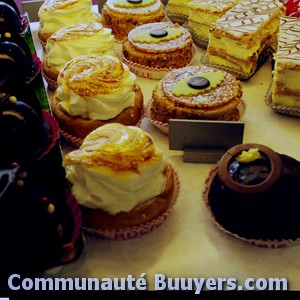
285 84
237 39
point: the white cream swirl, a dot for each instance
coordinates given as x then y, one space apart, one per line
97 87
56 14
116 168
76 40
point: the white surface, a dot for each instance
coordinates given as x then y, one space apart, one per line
188 244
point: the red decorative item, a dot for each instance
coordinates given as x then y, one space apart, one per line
292 8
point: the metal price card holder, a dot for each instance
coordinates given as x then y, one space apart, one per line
204 141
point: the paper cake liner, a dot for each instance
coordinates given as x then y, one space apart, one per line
264 55
176 18
52 126
139 230
198 40
281 109
52 83
149 72
76 142
164 127
255 242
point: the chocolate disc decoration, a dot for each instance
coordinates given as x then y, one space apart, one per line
198 82
158 33
135 1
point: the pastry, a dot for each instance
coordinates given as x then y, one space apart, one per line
105 92
237 40
57 14
137 184
285 90
159 45
253 195
40 223
178 10
123 15
73 41
16 59
203 13
196 92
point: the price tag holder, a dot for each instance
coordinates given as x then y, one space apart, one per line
204 141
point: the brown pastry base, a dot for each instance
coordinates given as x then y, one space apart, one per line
145 212
80 127
49 72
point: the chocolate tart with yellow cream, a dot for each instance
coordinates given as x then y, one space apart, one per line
138 185
253 195
124 15
94 90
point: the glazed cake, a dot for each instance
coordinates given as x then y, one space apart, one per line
178 10
196 92
137 183
16 59
105 92
159 45
123 15
239 37
39 221
57 14
253 195
203 13
285 88
73 41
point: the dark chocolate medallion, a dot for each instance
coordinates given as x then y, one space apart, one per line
198 82
158 33
135 1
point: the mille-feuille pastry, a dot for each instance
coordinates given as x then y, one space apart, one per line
159 45
196 92
178 10
122 181
239 38
72 41
123 15
57 14
94 90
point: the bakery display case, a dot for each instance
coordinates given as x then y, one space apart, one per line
189 244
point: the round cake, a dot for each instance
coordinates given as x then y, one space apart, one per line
56 14
73 41
94 90
16 59
253 195
137 184
40 223
159 45
123 15
196 92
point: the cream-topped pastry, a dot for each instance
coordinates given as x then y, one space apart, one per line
203 13
237 39
124 15
116 168
285 84
73 41
95 89
179 7
56 14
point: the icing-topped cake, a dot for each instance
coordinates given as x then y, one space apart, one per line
204 13
137 183
178 10
253 195
239 37
123 15
72 41
39 221
105 92
159 45
196 92
57 14
16 59
285 88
